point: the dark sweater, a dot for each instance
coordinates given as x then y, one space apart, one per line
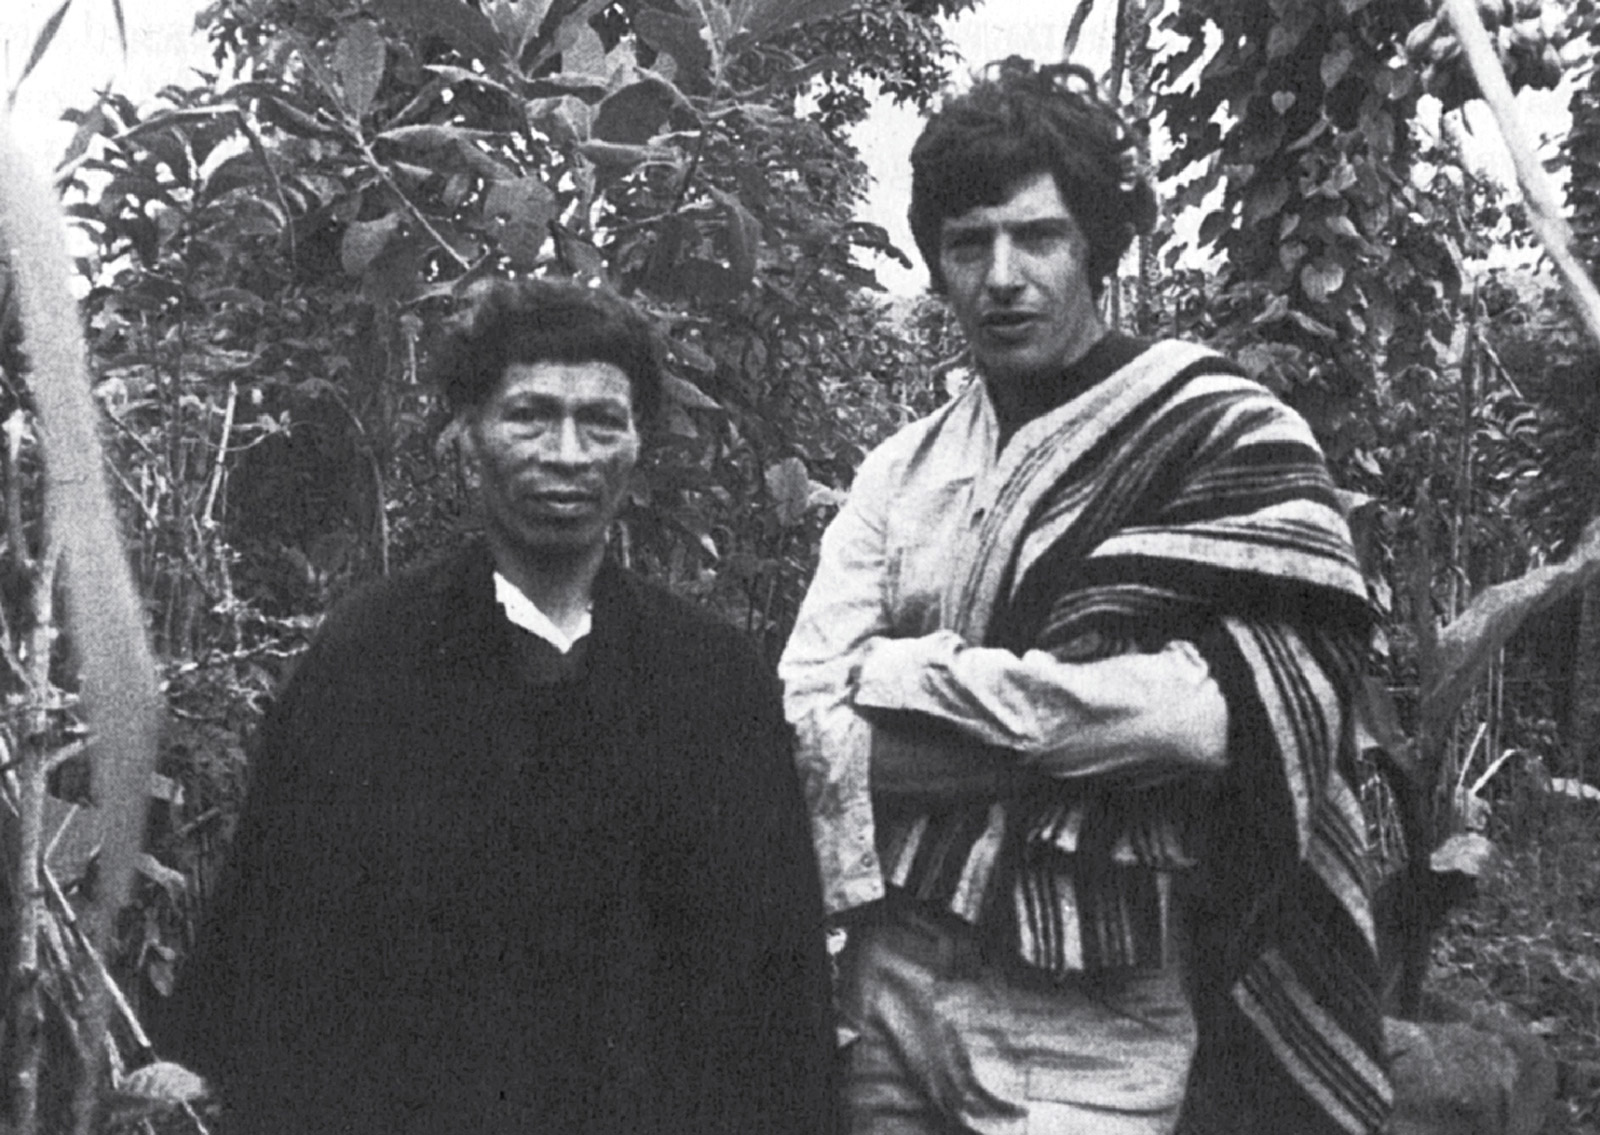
465 900
1019 405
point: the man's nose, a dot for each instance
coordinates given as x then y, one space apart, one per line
1004 278
564 445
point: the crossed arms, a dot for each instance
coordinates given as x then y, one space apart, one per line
880 710
1148 715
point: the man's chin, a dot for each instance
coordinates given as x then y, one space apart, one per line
575 542
1014 365
548 542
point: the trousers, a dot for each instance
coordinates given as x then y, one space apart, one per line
947 1041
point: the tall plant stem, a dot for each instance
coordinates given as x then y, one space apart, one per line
31 786
15 429
104 611
1544 212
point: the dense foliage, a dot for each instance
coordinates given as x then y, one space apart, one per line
289 242
273 250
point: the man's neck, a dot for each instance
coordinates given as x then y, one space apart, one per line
559 582
1018 398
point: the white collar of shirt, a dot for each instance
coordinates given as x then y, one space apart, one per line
524 612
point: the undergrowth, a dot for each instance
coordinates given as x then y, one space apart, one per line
1531 939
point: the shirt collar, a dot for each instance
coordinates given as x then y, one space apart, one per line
523 612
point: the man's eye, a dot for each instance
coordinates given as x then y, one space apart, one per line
965 253
1043 236
604 417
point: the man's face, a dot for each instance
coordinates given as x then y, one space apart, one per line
1016 275
555 444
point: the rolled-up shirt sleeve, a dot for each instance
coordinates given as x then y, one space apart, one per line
1142 714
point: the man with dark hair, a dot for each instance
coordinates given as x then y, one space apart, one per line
524 849
1073 689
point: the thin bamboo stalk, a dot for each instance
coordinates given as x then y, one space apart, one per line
27 1005
1544 206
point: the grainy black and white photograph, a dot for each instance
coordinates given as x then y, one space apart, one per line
800 567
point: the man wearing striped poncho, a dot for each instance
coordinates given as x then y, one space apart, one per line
1073 686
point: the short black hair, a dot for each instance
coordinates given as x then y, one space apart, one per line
554 321
1016 122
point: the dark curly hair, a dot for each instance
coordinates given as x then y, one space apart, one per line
1017 121
538 321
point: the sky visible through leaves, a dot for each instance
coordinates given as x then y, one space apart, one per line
86 55
162 47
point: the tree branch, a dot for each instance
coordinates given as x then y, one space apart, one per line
1544 212
410 207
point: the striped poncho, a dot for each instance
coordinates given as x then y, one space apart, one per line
1179 499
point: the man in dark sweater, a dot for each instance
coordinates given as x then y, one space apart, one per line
524 849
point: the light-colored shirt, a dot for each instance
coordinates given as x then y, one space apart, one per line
869 636
525 613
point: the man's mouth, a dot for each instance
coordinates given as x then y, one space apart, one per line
1006 323
560 502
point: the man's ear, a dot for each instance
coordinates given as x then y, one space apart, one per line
454 437
458 442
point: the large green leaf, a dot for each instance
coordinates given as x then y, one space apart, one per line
635 113
358 60
1321 278
448 148
679 37
687 394
578 256
516 22
744 235
1335 65
523 210
575 42
790 487
286 112
1265 200
614 158
364 242
584 52
462 26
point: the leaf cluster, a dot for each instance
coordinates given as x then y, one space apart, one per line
296 232
1300 120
